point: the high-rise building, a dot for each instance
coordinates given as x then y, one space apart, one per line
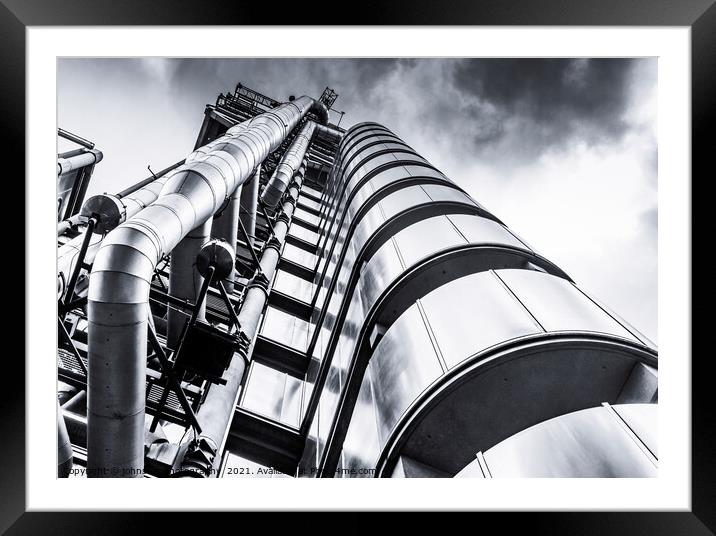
299 299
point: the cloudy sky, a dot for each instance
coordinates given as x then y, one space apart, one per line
562 150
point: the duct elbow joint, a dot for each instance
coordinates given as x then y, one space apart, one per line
320 111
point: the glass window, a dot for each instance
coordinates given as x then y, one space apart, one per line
586 444
403 364
361 446
310 203
293 286
311 191
299 256
378 273
291 408
306 216
355 175
264 391
285 329
644 422
365 152
438 192
303 233
402 199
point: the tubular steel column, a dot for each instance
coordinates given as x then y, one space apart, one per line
249 199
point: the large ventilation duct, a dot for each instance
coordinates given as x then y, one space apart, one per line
217 411
288 165
321 112
118 299
249 200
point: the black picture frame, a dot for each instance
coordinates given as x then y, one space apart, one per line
699 15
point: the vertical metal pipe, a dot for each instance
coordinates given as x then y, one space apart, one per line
226 227
288 165
185 280
64 447
249 200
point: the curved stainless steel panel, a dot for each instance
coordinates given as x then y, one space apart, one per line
559 305
407 248
482 313
591 443
350 278
490 313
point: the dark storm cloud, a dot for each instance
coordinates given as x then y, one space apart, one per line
554 100
353 79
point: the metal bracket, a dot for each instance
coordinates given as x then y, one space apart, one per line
246 238
273 243
243 347
283 217
268 218
187 327
259 280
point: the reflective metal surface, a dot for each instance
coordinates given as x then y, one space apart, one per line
460 319
558 305
591 443
289 164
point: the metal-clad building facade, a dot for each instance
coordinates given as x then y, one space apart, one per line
406 331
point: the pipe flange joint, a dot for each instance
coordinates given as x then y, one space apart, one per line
293 199
242 346
273 242
257 286
259 280
283 217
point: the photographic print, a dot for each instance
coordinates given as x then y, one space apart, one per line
357 267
